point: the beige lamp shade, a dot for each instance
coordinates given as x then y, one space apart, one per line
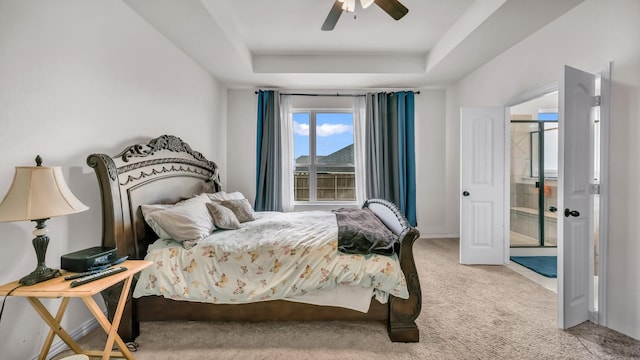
38 192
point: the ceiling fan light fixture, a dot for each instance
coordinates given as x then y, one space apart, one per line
366 3
392 7
348 5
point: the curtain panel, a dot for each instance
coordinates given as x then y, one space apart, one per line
274 146
286 135
359 106
268 153
390 156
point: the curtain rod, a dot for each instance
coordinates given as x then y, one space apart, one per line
336 94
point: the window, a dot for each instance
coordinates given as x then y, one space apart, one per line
548 124
324 168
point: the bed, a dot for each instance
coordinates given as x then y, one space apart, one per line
166 170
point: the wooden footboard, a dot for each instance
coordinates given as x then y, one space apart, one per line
402 312
167 170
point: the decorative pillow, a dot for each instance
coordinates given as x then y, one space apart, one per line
223 217
360 231
221 196
147 210
187 221
241 208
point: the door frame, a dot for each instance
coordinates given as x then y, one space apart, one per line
599 316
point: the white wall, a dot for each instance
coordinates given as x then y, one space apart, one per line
79 77
242 108
430 151
587 37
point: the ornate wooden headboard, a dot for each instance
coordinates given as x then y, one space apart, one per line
163 171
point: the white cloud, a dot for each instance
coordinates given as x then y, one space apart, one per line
300 129
333 129
322 130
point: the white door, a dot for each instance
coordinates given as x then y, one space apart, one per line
575 203
482 207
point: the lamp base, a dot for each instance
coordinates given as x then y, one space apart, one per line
40 243
40 275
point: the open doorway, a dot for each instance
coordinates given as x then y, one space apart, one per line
533 181
485 163
534 172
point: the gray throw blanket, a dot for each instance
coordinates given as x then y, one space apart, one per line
361 232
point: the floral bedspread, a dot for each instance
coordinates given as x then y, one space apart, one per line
276 256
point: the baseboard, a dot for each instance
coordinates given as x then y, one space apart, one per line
440 236
60 346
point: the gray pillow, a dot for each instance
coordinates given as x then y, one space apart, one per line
221 196
223 217
187 221
241 208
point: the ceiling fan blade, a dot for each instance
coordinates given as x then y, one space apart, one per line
393 8
332 18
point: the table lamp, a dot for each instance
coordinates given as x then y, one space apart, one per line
37 194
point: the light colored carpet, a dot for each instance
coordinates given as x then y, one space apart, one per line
468 312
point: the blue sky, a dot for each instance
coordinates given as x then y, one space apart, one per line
333 132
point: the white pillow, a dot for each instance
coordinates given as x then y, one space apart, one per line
147 210
187 221
221 196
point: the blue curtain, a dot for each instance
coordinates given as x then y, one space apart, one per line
268 153
390 144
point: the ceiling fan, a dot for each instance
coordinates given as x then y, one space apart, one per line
392 7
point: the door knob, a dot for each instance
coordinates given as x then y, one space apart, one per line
465 193
553 209
573 213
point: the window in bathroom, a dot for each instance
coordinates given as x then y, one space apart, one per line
548 125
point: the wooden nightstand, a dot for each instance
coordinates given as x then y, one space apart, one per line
59 287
